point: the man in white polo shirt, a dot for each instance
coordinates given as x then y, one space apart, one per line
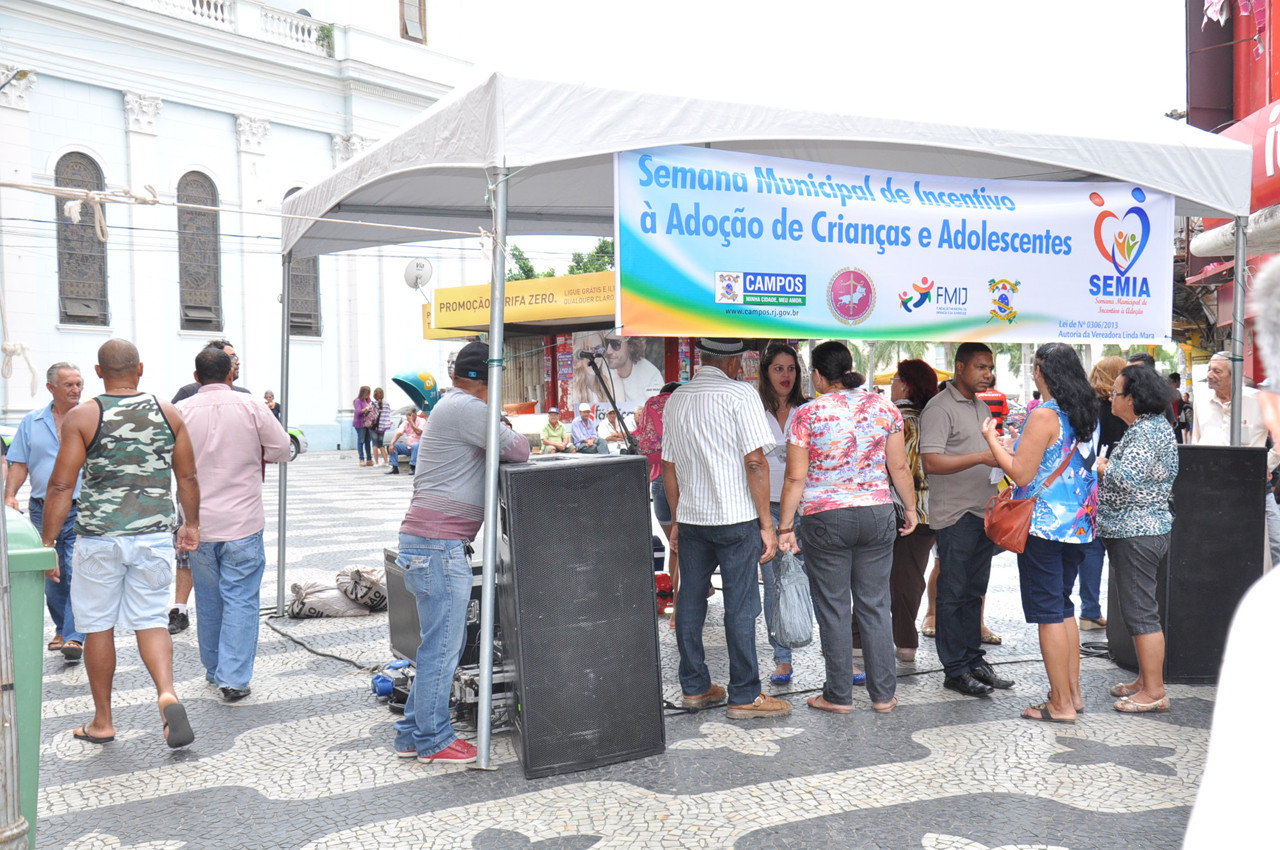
716 479
1212 408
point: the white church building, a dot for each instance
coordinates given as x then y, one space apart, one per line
229 105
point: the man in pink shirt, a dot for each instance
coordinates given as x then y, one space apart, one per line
231 434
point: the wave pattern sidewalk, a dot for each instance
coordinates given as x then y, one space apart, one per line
304 762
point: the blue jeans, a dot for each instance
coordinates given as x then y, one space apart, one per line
736 549
781 654
228 582
402 448
436 572
364 443
1090 579
965 551
1046 571
57 594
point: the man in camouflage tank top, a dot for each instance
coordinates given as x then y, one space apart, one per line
130 445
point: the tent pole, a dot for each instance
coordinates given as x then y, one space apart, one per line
283 400
1237 329
489 544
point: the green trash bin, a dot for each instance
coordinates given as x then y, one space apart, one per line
28 560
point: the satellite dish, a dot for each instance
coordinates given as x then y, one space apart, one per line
417 273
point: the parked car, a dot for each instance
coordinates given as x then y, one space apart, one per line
297 442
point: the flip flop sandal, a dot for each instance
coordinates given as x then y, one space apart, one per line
56 643
1124 705
832 707
1048 698
992 638
82 734
929 631
177 725
72 650
1043 716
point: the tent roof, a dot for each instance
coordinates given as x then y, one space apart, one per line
558 141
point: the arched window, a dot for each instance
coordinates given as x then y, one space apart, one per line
304 294
199 257
82 258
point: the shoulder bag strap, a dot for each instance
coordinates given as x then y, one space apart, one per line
1066 461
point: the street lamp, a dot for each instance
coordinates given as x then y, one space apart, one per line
15 74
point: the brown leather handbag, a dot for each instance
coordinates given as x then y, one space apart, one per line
1008 520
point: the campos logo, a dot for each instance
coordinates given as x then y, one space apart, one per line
1121 239
851 296
728 287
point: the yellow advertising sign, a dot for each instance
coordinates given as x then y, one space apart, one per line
429 332
549 300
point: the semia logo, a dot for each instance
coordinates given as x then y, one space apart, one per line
1120 240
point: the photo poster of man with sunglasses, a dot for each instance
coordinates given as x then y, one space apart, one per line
632 365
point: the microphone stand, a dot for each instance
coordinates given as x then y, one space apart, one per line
632 447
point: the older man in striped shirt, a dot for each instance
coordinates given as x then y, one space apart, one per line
715 435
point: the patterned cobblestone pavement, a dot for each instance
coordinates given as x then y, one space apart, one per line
304 762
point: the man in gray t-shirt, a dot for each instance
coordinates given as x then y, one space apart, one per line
446 512
958 464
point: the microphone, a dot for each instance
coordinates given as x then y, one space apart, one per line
587 355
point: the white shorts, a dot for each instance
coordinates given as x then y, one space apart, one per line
122 582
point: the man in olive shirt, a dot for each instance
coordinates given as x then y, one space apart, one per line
554 436
958 464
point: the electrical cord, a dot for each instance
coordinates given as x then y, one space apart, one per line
268 616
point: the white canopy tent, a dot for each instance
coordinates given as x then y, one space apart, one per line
518 156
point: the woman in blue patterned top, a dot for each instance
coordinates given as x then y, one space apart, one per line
1134 522
1059 429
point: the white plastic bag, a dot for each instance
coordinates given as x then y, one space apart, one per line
792 605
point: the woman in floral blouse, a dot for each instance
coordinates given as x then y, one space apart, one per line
1134 522
842 449
1059 431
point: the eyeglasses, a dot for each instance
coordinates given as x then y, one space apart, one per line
613 343
1115 395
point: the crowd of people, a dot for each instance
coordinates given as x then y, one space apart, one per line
860 488
102 476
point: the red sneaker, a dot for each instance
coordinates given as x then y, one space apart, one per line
459 752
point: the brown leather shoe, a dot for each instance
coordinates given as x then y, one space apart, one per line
713 695
764 706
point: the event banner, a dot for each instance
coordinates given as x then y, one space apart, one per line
720 243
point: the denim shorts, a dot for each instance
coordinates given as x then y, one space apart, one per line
122 582
661 507
1045 568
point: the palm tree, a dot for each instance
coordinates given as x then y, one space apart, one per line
873 355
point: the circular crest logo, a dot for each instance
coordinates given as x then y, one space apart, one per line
851 296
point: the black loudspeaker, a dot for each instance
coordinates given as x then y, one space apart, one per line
576 600
1215 555
402 614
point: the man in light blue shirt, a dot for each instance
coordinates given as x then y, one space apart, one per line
583 431
34 449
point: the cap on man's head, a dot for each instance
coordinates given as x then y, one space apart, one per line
472 362
553 410
721 347
584 406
